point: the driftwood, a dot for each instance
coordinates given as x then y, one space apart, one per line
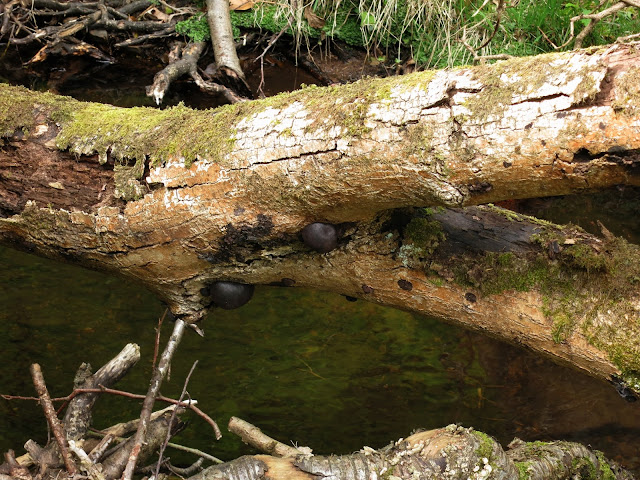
80 453
452 452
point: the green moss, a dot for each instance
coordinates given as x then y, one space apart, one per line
585 284
587 470
16 105
586 257
603 468
424 233
536 448
563 325
523 470
135 133
584 468
196 28
499 272
485 449
421 236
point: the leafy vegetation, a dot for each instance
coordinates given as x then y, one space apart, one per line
196 28
431 32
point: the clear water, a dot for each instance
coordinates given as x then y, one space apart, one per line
306 366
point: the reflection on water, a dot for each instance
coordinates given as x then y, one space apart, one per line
305 366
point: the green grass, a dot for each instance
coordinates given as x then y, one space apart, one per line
431 31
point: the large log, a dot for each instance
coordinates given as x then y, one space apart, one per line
178 199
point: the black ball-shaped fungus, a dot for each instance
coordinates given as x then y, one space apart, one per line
322 237
230 295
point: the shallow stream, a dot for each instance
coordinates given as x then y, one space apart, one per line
305 366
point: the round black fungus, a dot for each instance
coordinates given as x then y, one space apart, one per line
405 285
288 282
322 237
230 295
367 289
470 297
350 299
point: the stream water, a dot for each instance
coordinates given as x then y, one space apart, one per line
306 366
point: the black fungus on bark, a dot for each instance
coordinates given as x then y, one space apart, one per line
322 237
230 295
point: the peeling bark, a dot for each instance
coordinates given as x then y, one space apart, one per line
449 453
178 199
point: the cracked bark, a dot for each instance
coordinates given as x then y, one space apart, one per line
256 173
451 453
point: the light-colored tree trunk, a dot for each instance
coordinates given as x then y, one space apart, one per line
178 199
452 452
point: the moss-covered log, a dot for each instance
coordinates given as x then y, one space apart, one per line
450 453
179 199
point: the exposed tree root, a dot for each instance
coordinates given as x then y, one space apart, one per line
183 61
141 22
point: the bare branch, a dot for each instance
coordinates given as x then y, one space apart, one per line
252 435
147 406
52 419
173 415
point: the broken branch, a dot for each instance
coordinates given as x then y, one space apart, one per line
52 419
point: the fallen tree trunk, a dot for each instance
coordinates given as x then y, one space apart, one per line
179 199
452 452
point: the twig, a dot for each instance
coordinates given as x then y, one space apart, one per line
156 345
499 10
99 450
173 416
188 471
272 41
252 435
16 470
169 31
595 18
52 419
195 451
190 405
77 418
628 38
480 58
175 446
92 470
150 398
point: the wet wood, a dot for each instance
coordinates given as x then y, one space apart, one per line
450 452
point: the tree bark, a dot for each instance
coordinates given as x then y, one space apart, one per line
178 199
451 452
